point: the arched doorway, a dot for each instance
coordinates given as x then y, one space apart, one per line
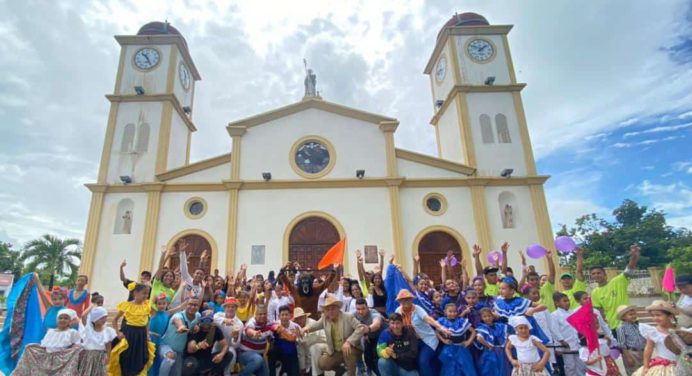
309 239
194 245
432 247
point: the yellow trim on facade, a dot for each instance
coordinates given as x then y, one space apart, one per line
187 148
440 197
461 89
508 57
170 98
170 76
192 200
462 30
148 40
456 66
195 167
326 216
232 232
195 231
308 104
91 235
108 144
439 144
480 216
465 130
466 250
435 162
491 58
543 227
151 226
121 67
524 134
321 140
164 138
397 233
388 128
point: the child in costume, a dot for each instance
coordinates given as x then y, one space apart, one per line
470 310
630 338
134 354
57 298
96 341
455 356
216 305
157 327
491 337
528 361
658 359
507 305
594 361
58 353
78 297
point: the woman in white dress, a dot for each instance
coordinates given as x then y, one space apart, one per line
658 359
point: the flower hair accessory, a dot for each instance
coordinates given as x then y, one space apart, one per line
131 286
161 296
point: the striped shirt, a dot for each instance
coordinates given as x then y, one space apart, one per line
257 345
629 336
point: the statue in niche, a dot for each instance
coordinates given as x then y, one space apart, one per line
508 216
127 222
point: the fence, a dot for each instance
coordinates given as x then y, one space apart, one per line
644 282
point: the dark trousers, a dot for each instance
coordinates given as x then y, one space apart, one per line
204 366
289 363
370 356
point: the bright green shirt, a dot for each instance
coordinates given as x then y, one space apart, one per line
610 297
492 290
546 292
157 287
578 285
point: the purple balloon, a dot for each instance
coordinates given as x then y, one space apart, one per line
565 244
454 261
536 251
614 353
494 257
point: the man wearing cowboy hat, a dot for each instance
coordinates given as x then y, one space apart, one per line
343 333
630 338
231 326
310 348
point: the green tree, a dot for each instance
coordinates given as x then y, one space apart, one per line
606 242
9 260
52 257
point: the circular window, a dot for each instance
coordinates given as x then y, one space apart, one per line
312 157
435 204
195 207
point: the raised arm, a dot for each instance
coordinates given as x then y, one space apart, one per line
416 264
465 281
184 273
381 253
123 264
443 271
477 260
162 262
634 252
524 269
551 267
580 264
204 260
504 248
360 266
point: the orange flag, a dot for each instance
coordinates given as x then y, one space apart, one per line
335 255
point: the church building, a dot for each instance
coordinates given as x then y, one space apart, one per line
299 178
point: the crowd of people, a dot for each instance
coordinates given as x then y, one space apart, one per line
474 320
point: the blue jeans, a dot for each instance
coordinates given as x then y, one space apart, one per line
428 364
388 367
172 367
253 364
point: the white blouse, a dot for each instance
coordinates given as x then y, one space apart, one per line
93 340
660 349
527 352
59 340
599 368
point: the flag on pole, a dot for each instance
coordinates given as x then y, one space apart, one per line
335 255
584 321
668 282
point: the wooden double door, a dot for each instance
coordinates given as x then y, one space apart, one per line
433 248
194 245
310 239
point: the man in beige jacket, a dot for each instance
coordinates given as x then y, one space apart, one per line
343 333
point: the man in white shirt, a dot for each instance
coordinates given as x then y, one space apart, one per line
231 326
279 297
570 338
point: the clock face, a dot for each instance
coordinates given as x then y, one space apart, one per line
312 157
185 77
480 50
441 69
147 58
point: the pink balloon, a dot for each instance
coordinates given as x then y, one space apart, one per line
614 353
494 257
565 244
536 251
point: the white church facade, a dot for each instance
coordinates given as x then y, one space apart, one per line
299 178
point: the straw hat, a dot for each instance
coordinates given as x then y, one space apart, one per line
299 312
332 301
662 305
624 309
404 294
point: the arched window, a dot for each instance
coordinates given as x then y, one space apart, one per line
124 216
487 130
502 129
507 203
142 138
128 138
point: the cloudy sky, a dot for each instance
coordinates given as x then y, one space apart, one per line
608 101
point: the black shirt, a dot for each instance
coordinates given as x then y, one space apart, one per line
200 336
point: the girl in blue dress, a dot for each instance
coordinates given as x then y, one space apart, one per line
455 356
490 341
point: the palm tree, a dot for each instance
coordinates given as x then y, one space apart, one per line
50 255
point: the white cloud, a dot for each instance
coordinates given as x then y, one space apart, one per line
669 128
675 199
570 195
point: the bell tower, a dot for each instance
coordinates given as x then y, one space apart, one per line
478 113
150 121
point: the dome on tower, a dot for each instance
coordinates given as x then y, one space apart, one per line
464 19
159 28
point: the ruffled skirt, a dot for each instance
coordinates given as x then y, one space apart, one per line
525 370
134 355
665 368
93 363
37 361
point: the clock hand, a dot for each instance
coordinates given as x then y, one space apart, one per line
146 56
